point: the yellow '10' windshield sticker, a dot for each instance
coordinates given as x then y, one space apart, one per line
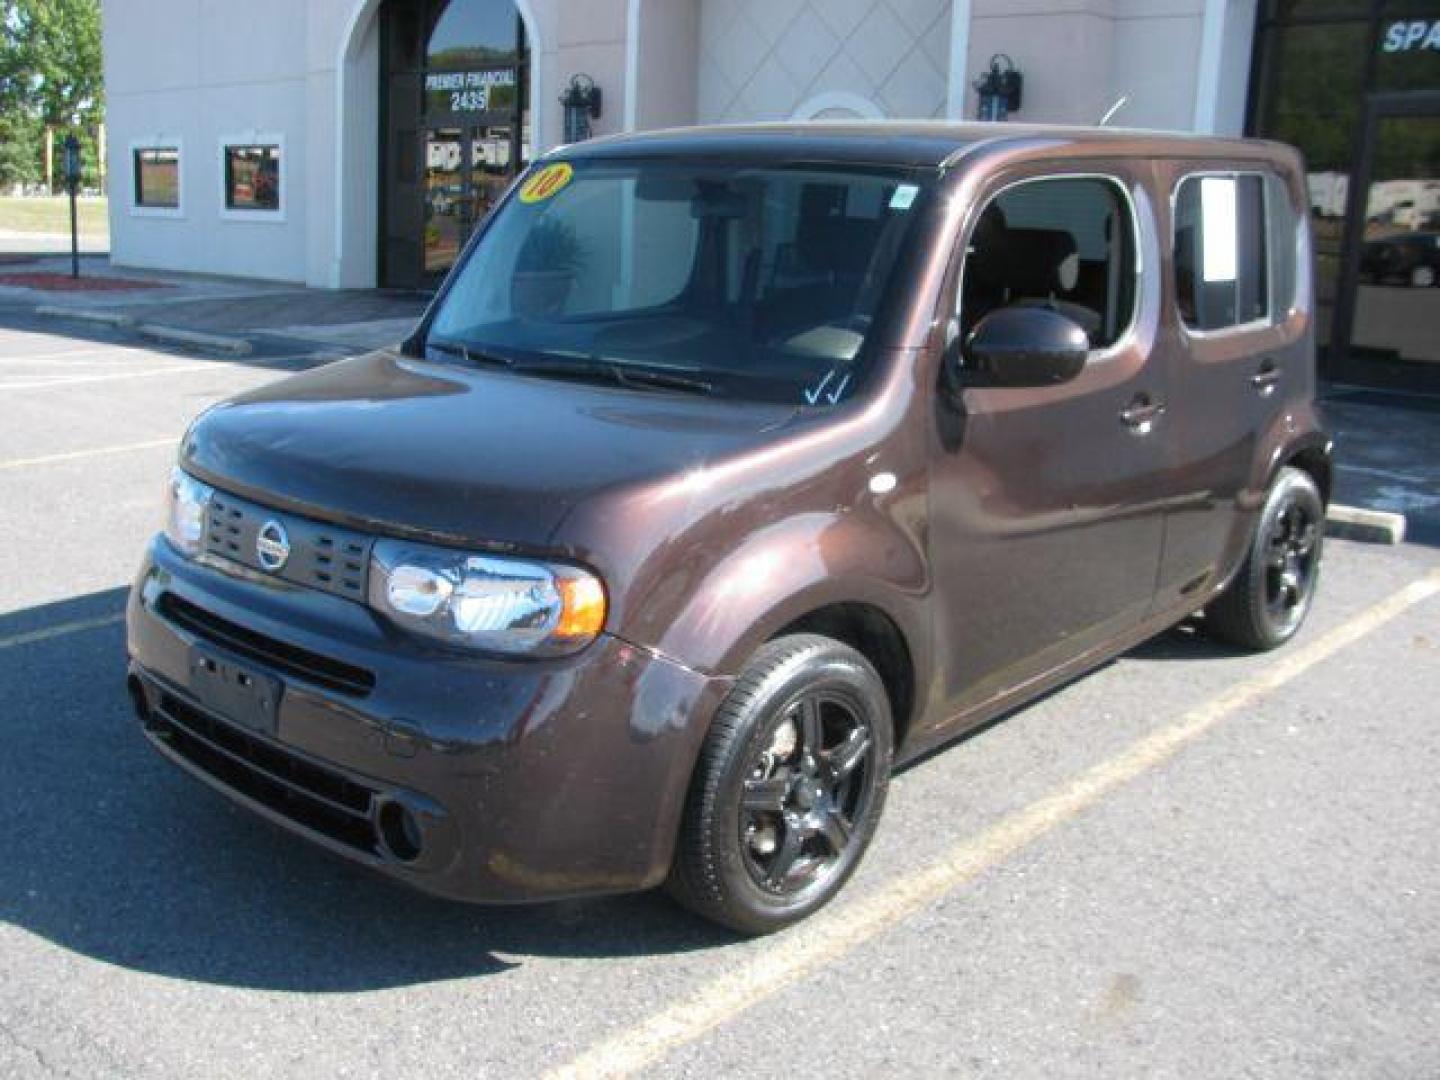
546 183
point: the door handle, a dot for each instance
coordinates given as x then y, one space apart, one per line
1266 379
1140 415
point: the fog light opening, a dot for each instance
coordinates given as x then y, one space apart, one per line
400 832
143 712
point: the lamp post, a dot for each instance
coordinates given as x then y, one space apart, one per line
999 88
582 104
72 185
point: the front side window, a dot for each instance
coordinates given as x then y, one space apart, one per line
1222 275
1065 242
252 177
756 283
157 177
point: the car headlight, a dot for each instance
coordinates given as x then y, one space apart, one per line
487 602
187 501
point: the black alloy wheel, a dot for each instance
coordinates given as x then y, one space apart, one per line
804 792
789 787
1292 557
1269 597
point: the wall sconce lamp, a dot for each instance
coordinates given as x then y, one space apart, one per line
999 88
582 104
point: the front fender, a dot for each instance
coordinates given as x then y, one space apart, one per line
791 569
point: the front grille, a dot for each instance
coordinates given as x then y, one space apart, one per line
285 658
322 556
312 795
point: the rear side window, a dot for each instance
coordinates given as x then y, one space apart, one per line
1063 242
1223 242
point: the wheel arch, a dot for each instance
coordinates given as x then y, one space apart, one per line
1312 456
871 632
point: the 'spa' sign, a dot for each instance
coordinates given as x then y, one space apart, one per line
1412 35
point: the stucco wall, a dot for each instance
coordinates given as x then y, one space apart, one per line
774 59
190 72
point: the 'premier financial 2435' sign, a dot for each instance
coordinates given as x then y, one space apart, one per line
470 91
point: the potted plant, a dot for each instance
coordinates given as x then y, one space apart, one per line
553 254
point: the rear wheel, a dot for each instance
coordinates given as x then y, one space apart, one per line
1269 598
1422 277
789 787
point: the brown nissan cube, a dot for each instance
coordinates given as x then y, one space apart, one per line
729 468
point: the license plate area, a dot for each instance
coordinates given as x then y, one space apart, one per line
238 693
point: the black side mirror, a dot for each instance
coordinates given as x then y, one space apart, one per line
1023 346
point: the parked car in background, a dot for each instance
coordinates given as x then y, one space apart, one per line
812 449
1412 259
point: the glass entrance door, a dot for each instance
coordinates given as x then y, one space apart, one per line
446 195
1388 327
467 169
1397 298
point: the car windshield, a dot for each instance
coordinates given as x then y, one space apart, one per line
752 283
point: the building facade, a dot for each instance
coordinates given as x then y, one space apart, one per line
355 143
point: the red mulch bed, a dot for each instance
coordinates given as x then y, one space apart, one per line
65 283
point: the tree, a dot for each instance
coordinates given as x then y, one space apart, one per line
51 73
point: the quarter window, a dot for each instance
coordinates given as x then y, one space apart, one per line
157 177
1066 243
252 177
1222 271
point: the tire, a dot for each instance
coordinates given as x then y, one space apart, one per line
789 787
1266 603
1422 277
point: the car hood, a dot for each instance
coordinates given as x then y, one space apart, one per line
430 450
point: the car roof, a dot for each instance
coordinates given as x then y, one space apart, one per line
919 144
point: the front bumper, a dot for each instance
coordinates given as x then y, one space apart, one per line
468 777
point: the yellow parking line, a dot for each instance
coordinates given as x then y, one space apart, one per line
60 630
76 455
831 935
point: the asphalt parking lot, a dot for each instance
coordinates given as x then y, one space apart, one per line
1190 863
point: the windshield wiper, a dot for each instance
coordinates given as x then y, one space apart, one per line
594 369
478 357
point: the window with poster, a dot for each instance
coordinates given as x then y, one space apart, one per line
252 176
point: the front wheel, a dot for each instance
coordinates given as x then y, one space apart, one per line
1422 277
789 786
1264 605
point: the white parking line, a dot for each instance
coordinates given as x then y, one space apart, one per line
77 455
60 630
828 937
77 354
46 382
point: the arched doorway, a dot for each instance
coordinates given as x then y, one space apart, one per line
455 127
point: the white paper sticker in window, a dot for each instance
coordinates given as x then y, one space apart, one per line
1221 229
904 196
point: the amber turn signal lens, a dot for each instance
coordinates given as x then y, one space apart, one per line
583 613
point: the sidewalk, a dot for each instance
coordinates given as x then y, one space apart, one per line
239 311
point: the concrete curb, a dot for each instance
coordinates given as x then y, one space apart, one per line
108 318
223 343
1366 526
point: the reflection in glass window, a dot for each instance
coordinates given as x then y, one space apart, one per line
1221 263
252 178
157 177
1068 244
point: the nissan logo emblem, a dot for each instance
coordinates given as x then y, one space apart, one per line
272 546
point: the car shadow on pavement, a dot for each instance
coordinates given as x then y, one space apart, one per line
112 853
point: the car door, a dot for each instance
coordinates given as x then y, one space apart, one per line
1047 502
1240 354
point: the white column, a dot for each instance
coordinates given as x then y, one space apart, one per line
959 60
